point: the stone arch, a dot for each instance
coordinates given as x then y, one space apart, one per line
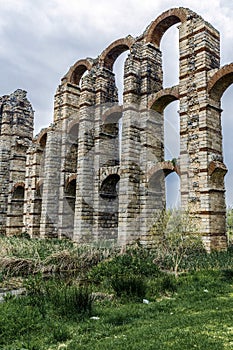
112 115
108 186
42 138
110 54
73 127
105 172
220 81
166 168
156 178
76 72
18 190
160 100
167 19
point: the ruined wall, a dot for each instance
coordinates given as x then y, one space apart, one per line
16 130
98 172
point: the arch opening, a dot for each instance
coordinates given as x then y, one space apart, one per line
109 187
171 132
70 194
71 158
109 206
109 134
77 71
114 50
227 127
18 193
42 140
118 70
69 208
172 190
169 47
167 19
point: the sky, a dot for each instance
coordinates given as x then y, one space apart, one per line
41 39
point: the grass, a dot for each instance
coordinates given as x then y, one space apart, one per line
193 311
197 316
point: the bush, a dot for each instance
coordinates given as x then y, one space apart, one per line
176 237
136 261
129 286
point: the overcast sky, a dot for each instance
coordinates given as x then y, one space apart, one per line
41 39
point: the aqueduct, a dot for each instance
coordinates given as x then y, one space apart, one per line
89 177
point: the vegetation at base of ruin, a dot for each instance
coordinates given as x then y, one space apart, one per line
89 297
230 225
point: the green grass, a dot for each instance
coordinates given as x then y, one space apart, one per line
199 315
193 311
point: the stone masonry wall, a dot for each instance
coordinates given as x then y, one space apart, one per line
98 172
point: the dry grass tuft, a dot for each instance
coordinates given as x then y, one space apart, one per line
13 266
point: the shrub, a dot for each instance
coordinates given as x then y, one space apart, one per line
136 261
175 235
129 286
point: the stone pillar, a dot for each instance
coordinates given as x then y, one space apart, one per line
4 183
66 101
51 182
69 158
16 134
105 226
33 189
130 170
85 169
152 193
200 131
